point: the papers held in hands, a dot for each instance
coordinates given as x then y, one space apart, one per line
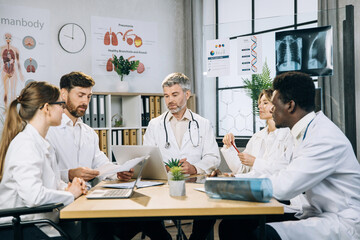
108 169
245 189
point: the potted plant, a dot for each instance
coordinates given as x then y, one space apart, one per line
123 67
255 85
177 182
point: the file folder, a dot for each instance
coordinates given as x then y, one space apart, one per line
143 111
147 111
133 138
119 137
94 112
152 107
114 140
101 110
157 106
126 137
86 117
103 141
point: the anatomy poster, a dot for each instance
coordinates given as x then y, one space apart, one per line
249 55
134 40
24 48
218 57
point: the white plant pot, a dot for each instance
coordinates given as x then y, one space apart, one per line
177 188
122 86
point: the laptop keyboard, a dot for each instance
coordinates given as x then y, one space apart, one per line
117 193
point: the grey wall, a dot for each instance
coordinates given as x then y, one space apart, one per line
169 16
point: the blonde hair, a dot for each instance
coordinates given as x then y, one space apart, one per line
31 98
267 92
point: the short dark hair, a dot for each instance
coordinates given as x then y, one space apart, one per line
296 86
76 79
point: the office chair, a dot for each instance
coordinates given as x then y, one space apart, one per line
20 227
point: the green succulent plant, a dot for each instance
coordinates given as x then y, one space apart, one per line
123 66
177 174
173 163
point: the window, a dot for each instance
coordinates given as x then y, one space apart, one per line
234 106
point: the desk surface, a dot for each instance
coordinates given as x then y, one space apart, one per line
156 202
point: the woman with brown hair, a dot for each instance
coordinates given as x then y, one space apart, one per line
267 151
28 171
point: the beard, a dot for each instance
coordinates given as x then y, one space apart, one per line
177 109
75 110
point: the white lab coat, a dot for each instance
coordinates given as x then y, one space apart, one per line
31 177
204 157
70 154
272 152
325 168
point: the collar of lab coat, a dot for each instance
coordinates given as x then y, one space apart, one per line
186 115
299 128
66 121
30 130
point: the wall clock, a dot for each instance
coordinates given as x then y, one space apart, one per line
72 38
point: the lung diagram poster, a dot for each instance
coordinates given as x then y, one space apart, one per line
133 40
24 49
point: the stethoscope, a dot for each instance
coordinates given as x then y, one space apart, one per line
167 144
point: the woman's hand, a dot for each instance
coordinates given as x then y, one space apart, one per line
77 187
246 159
228 139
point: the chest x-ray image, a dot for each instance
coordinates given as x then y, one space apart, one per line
288 53
305 50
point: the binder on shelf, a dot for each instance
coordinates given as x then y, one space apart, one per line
114 140
146 111
152 107
157 106
119 137
86 118
126 137
103 142
142 111
142 135
133 138
94 112
101 110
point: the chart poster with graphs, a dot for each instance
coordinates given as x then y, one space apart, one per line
249 55
134 40
24 48
218 57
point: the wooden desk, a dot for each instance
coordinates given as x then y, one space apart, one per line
155 202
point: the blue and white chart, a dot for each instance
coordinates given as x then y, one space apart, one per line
249 55
218 57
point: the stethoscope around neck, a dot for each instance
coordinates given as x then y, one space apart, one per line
167 144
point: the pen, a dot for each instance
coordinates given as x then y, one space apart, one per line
235 147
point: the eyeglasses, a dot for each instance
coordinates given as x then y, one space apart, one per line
61 103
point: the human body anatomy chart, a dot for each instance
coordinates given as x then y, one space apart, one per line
24 49
134 40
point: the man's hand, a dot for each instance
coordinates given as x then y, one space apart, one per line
246 159
187 167
83 172
125 176
228 139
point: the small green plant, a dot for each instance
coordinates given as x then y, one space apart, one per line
117 120
257 83
173 163
123 66
177 174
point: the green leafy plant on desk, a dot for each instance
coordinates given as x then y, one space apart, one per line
173 163
177 174
123 66
176 181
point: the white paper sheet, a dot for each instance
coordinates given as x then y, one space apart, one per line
111 168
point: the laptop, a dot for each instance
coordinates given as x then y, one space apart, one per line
154 168
117 193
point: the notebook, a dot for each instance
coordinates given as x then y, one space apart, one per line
117 193
154 167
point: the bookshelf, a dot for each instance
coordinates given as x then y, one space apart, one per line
130 107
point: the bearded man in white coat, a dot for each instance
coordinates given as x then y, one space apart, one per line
180 133
323 166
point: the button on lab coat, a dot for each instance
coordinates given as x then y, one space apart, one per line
325 168
204 157
31 177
